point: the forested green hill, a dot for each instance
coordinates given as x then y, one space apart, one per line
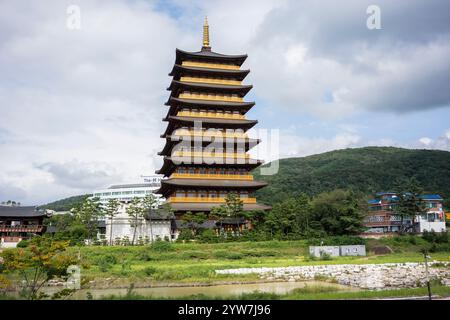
369 170
65 204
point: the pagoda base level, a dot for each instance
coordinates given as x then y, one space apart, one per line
180 208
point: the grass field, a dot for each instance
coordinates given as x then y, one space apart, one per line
197 262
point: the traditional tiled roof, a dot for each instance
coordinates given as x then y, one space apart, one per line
168 166
19 212
178 86
209 103
247 143
235 74
243 124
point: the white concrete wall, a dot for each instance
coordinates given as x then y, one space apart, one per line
4 244
437 226
121 227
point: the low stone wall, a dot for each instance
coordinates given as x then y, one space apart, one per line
366 276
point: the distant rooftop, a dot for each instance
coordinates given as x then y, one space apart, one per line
133 185
431 197
395 198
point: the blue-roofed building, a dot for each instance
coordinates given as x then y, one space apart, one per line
382 218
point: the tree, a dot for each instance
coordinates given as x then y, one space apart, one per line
40 261
135 212
149 204
410 203
339 212
194 220
110 211
233 208
290 217
88 214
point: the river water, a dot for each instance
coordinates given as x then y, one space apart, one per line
215 290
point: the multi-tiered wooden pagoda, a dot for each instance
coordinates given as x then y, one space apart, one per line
205 155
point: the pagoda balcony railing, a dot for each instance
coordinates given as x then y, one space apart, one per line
206 154
211 81
210 115
207 200
212 176
21 228
211 97
184 132
209 65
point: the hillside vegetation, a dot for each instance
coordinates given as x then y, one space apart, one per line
368 170
65 204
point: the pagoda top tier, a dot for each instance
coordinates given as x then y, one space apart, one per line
209 56
206 54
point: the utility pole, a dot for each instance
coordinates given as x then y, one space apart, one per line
426 256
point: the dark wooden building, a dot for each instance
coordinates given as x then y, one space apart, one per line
19 223
206 151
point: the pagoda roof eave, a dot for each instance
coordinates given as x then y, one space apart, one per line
208 56
173 140
168 185
169 166
173 110
209 122
242 90
208 103
231 122
236 74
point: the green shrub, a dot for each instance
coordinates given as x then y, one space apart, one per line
259 253
208 236
185 234
103 265
161 246
149 270
434 237
222 254
440 247
22 244
234 256
324 256
145 256
109 258
194 255
412 239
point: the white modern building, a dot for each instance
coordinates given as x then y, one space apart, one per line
154 226
158 225
126 192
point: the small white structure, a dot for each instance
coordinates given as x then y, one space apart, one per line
150 228
318 251
336 251
353 250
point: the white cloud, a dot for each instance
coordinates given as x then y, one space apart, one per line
293 145
426 141
441 143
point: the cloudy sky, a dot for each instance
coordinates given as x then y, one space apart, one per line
82 108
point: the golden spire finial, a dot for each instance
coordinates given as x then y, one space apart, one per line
206 33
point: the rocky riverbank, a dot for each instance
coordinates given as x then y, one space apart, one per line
365 276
